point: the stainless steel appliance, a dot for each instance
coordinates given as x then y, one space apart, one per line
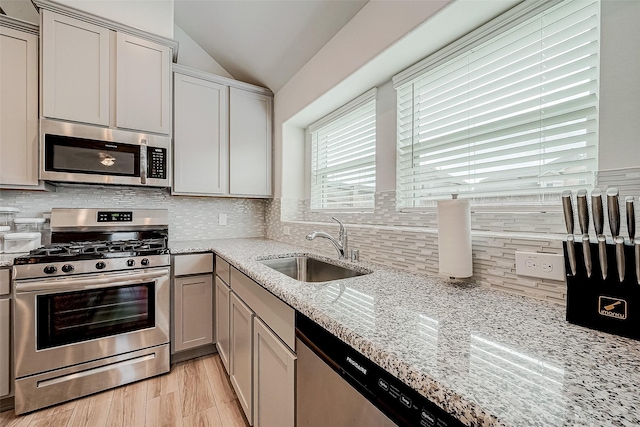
92 308
337 386
72 152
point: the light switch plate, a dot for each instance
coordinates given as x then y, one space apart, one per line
222 219
541 265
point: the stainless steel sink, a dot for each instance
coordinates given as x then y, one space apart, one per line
307 269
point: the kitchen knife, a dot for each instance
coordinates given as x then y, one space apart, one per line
568 220
613 209
598 223
631 219
583 219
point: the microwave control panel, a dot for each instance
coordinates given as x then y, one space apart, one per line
157 163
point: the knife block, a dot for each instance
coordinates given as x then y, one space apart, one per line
606 305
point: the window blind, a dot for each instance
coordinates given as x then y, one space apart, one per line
343 159
511 120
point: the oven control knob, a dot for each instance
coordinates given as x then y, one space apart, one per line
100 265
131 263
144 261
67 268
50 269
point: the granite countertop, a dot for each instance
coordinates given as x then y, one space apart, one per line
6 260
488 358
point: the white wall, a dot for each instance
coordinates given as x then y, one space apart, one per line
155 16
192 55
309 95
382 39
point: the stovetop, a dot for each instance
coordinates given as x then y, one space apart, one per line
77 251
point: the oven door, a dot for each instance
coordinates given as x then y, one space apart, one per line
63 322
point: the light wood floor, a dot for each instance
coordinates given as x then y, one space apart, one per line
194 393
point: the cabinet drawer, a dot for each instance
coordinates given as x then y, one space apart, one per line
276 314
192 264
222 269
5 283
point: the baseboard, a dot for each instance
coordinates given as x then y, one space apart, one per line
6 403
193 353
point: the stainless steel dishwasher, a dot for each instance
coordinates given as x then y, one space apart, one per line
338 387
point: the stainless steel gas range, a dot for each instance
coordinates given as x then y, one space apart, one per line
92 308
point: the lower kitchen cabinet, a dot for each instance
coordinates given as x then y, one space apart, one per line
222 321
241 353
192 302
274 376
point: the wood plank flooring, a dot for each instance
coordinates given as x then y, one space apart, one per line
196 393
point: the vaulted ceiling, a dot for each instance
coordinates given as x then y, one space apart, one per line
264 42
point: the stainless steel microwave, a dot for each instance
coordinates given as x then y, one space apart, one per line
72 152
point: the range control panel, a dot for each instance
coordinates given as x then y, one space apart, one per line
124 216
401 403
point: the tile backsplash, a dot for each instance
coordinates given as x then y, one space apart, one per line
405 240
189 217
410 240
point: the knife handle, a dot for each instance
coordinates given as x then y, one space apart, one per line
586 252
571 253
602 255
567 209
614 211
631 218
597 211
620 264
583 211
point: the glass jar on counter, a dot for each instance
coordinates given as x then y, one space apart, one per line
4 229
29 225
7 215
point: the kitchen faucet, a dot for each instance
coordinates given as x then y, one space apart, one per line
340 244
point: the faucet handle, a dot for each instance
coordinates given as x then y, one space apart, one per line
342 229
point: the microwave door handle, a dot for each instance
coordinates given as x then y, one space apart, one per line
74 284
143 161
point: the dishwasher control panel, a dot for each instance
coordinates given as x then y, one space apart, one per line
401 403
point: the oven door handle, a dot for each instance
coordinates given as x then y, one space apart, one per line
72 284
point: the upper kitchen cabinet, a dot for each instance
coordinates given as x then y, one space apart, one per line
222 136
75 70
250 117
18 103
143 85
201 137
100 72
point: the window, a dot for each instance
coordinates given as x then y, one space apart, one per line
343 157
508 114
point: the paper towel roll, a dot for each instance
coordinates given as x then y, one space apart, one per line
454 238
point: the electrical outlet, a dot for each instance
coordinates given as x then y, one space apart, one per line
286 231
541 265
222 219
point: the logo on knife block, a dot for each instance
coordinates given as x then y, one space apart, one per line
612 307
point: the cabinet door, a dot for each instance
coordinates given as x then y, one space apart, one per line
193 299
75 70
18 107
222 321
241 353
274 374
201 137
5 351
143 83
250 117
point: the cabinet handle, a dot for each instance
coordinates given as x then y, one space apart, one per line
143 161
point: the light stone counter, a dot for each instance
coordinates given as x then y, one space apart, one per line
487 357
